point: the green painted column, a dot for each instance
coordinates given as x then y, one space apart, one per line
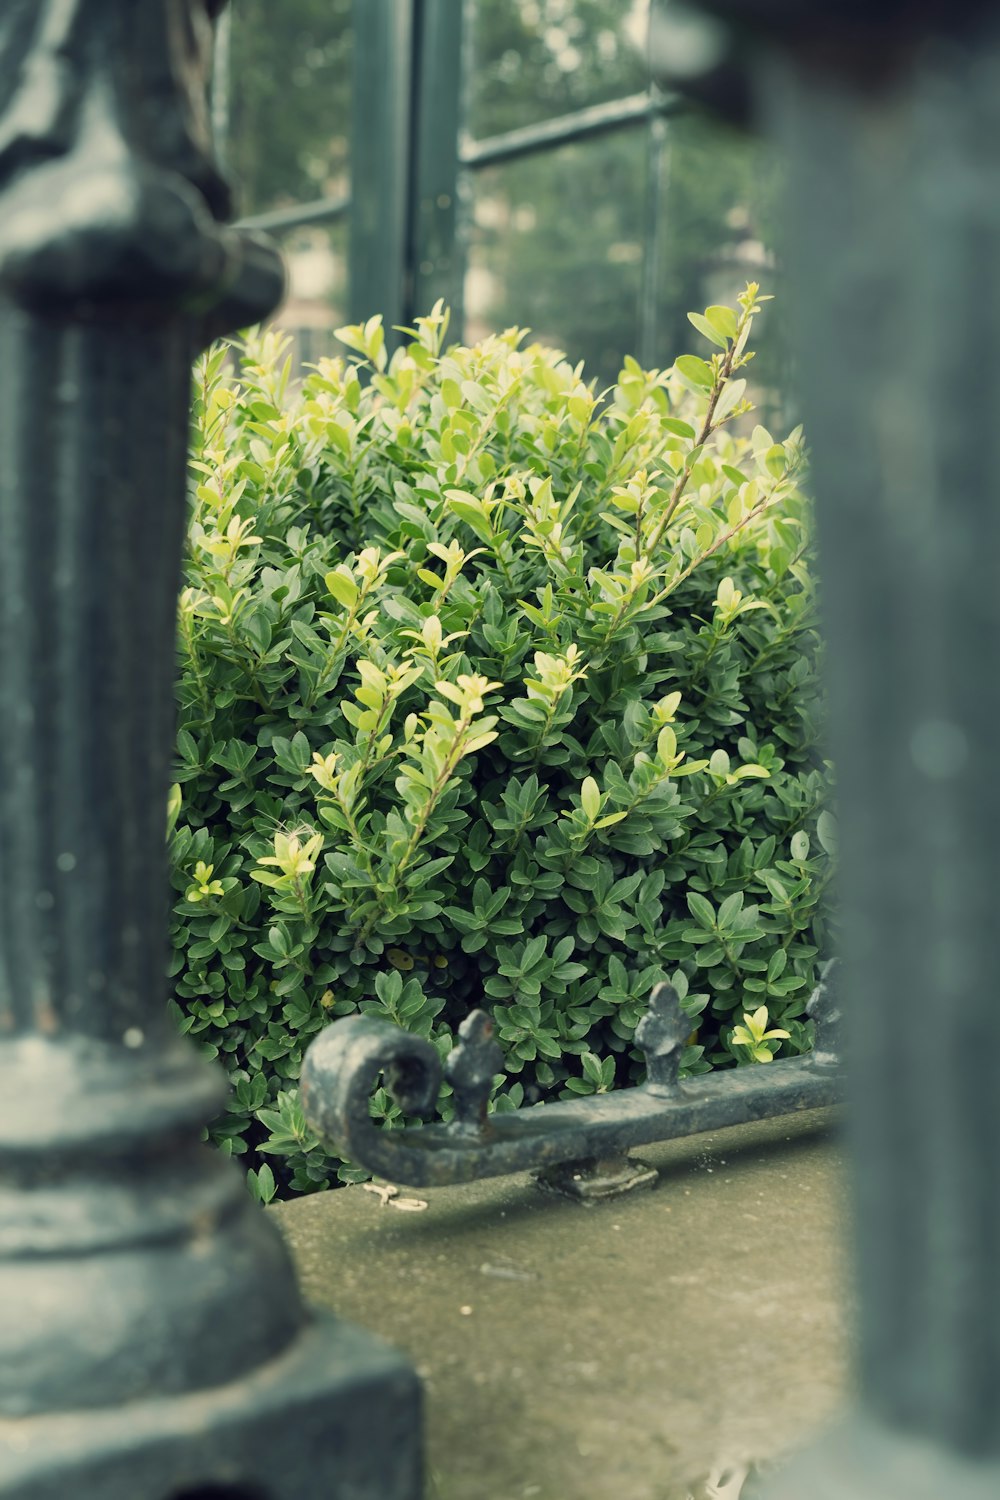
153 1342
889 120
404 252
381 162
438 255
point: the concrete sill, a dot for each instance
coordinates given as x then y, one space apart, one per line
609 1352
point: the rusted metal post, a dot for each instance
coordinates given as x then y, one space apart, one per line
152 1340
889 119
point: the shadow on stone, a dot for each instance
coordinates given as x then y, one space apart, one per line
219 1492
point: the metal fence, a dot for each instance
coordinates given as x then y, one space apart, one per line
580 1146
150 1325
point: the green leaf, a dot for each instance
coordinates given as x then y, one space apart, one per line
742 773
696 370
718 763
470 510
174 802
776 460
591 1066
262 1184
826 833
722 319
800 845
730 909
704 326
342 586
703 911
590 797
666 745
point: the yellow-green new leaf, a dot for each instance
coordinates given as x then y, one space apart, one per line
590 798
705 327
696 370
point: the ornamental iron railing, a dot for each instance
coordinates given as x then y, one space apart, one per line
578 1146
153 1345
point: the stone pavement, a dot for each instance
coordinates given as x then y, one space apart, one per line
610 1352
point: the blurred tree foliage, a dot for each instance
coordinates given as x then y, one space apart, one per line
541 58
290 90
565 253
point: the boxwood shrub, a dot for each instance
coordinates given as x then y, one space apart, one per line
494 689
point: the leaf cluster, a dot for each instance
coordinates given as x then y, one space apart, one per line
493 688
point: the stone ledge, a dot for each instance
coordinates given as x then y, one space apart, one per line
613 1351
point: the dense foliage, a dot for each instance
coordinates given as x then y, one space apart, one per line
491 691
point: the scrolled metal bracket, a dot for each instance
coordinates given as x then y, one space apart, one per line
345 1063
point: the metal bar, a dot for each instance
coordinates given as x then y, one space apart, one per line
564 130
658 166
381 170
344 1064
321 211
151 1327
437 269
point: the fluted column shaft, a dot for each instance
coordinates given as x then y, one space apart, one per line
152 1338
92 458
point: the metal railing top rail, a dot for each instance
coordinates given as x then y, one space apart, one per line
319 211
344 1064
564 130
496 150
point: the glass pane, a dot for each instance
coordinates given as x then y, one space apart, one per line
716 231
290 101
316 257
572 244
557 247
530 60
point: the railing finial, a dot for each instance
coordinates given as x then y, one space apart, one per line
823 1010
470 1069
661 1035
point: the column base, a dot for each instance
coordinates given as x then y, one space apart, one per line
859 1461
335 1417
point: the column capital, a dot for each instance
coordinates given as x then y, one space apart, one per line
108 192
708 49
796 19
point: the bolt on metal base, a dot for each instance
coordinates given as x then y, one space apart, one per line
596 1177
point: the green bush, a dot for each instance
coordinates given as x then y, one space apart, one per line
491 692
